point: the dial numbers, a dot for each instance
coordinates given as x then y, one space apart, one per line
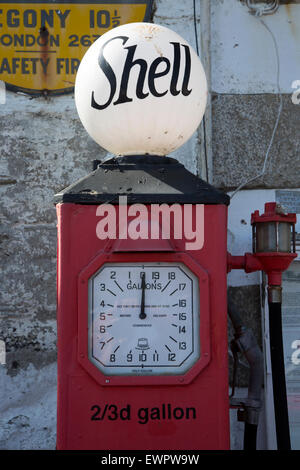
144 319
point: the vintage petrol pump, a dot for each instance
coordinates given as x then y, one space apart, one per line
142 324
142 259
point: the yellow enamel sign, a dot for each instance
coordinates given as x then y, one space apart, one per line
42 43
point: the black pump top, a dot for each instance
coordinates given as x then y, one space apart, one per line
143 179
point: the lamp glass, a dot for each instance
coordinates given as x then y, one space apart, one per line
285 237
265 237
273 237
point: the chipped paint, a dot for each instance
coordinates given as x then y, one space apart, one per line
251 67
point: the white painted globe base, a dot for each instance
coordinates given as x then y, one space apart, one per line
140 89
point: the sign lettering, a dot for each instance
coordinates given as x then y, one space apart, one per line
43 43
162 412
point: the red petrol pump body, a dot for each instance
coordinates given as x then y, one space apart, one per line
142 322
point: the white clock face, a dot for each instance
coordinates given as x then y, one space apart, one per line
144 319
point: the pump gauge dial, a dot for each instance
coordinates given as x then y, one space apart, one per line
143 319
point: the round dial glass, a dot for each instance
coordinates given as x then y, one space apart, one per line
144 319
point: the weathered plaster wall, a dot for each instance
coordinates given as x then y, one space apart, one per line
244 126
242 49
245 102
43 149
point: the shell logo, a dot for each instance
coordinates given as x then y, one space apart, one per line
141 89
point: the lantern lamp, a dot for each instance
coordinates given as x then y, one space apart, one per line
273 239
273 231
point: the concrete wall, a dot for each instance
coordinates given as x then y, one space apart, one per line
44 148
245 95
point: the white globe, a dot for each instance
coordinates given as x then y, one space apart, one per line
140 89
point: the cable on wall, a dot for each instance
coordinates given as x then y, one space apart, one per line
195 27
266 9
259 11
203 121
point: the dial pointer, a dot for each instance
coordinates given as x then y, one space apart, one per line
142 313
